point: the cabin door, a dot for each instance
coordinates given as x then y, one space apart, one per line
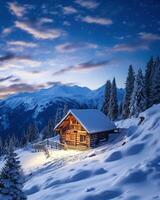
73 138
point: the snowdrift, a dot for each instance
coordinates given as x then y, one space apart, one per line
127 168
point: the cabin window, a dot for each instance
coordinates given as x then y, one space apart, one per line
82 138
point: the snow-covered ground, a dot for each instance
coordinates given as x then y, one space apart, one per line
127 168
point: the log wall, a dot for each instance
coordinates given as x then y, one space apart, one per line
72 133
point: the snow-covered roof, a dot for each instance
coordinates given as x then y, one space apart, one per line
92 120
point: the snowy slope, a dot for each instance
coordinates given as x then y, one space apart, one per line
127 168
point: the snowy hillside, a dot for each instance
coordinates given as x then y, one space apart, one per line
127 168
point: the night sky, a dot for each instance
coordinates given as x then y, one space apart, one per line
81 42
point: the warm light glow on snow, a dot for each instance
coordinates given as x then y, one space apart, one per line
31 161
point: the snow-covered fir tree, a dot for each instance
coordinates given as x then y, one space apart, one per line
156 82
1 146
113 104
24 138
107 93
138 101
48 130
128 92
10 143
15 141
65 109
120 107
32 133
11 179
149 73
58 116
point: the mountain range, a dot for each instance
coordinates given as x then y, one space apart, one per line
19 110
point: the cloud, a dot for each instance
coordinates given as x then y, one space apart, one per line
16 88
35 71
38 32
25 62
19 46
66 23
15 80
10 56
69 10
13 60
7 31
17 9
141 43
45 20
83 66
149 36
54 83
24 87
51 83
89 4
5 78
22 43
71 47
97 20
129 47
7 57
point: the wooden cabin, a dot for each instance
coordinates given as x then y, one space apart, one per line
84 128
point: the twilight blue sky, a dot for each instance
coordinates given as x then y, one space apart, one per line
82 42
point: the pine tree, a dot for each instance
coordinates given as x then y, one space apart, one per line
120 107
65 109
156 82
32 133
138 100
1 147
128 92
24 139
58 115
149 73
15 141
11 179
11 143
105 108
113 105
7 144
48 130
